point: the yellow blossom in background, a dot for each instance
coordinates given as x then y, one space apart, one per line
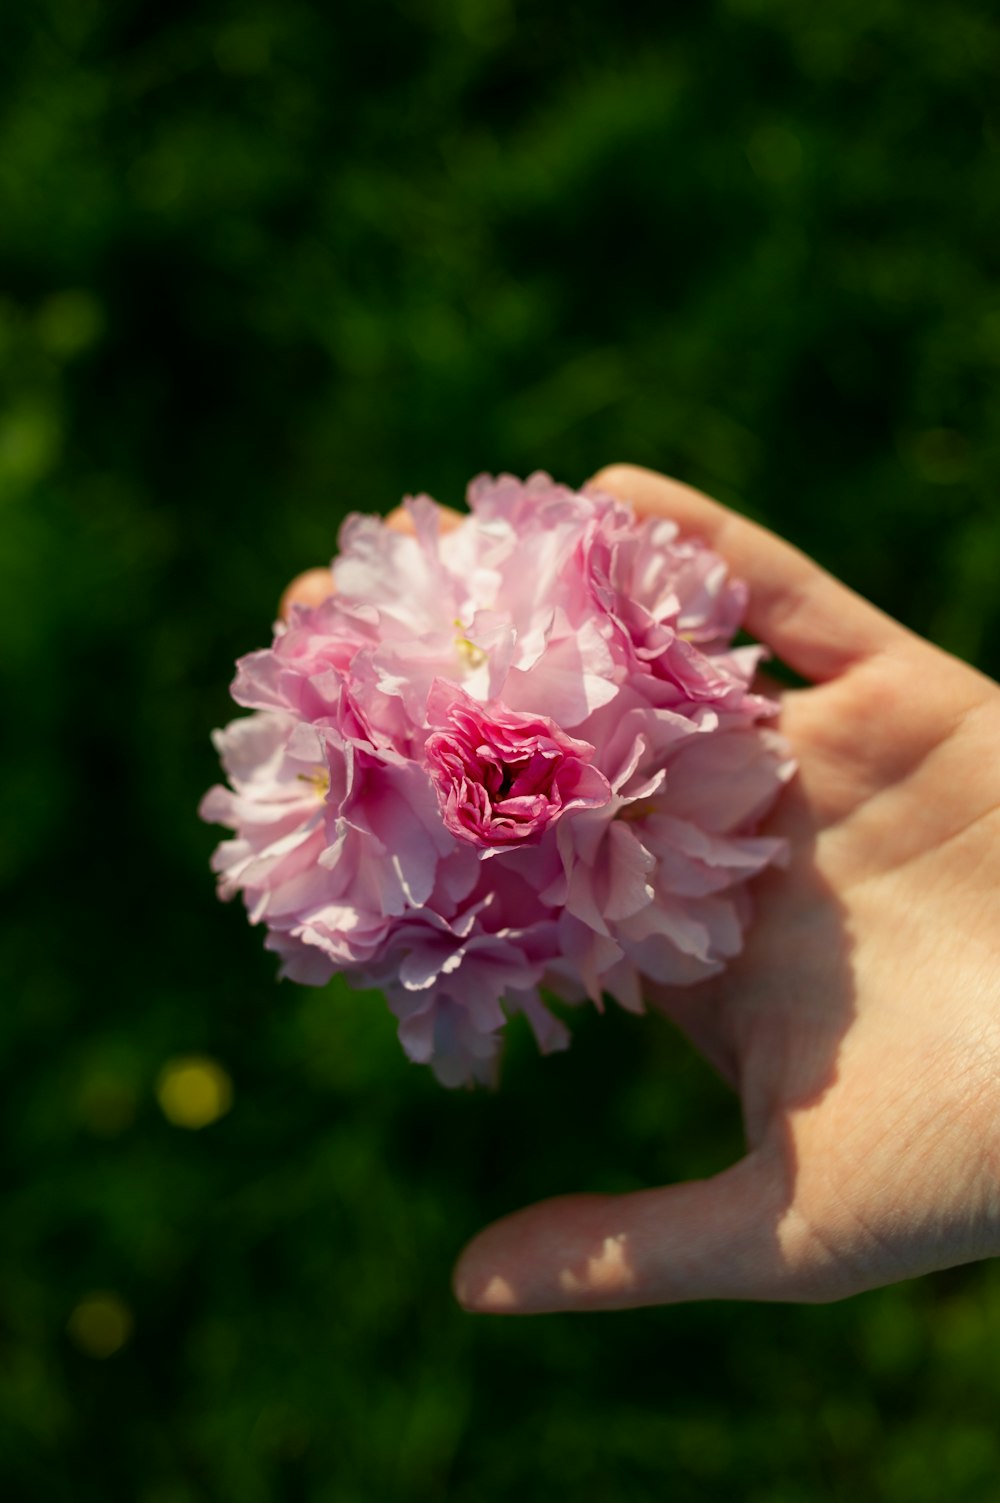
100 1324
194 1091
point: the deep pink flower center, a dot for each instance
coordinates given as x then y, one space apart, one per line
502 781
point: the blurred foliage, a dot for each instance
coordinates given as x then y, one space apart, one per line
266 263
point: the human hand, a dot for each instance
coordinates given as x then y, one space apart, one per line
861 1025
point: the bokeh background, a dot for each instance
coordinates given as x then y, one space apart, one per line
264 263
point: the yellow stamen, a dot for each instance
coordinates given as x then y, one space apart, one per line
318 780
641 809
471 655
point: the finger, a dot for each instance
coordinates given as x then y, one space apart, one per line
310 588
448 518
721 1238
813 622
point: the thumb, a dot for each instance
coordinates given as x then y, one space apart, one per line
730 1237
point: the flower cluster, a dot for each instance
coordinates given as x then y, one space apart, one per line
516 756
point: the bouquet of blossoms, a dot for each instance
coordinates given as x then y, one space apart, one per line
516 757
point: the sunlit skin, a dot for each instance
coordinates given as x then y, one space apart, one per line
861 1025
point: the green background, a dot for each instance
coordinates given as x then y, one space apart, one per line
264 263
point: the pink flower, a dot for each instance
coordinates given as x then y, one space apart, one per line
519 757
502 778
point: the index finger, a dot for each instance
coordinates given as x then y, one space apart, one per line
814 623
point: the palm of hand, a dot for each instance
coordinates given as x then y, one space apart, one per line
861 1026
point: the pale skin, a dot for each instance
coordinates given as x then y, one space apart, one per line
861 1025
